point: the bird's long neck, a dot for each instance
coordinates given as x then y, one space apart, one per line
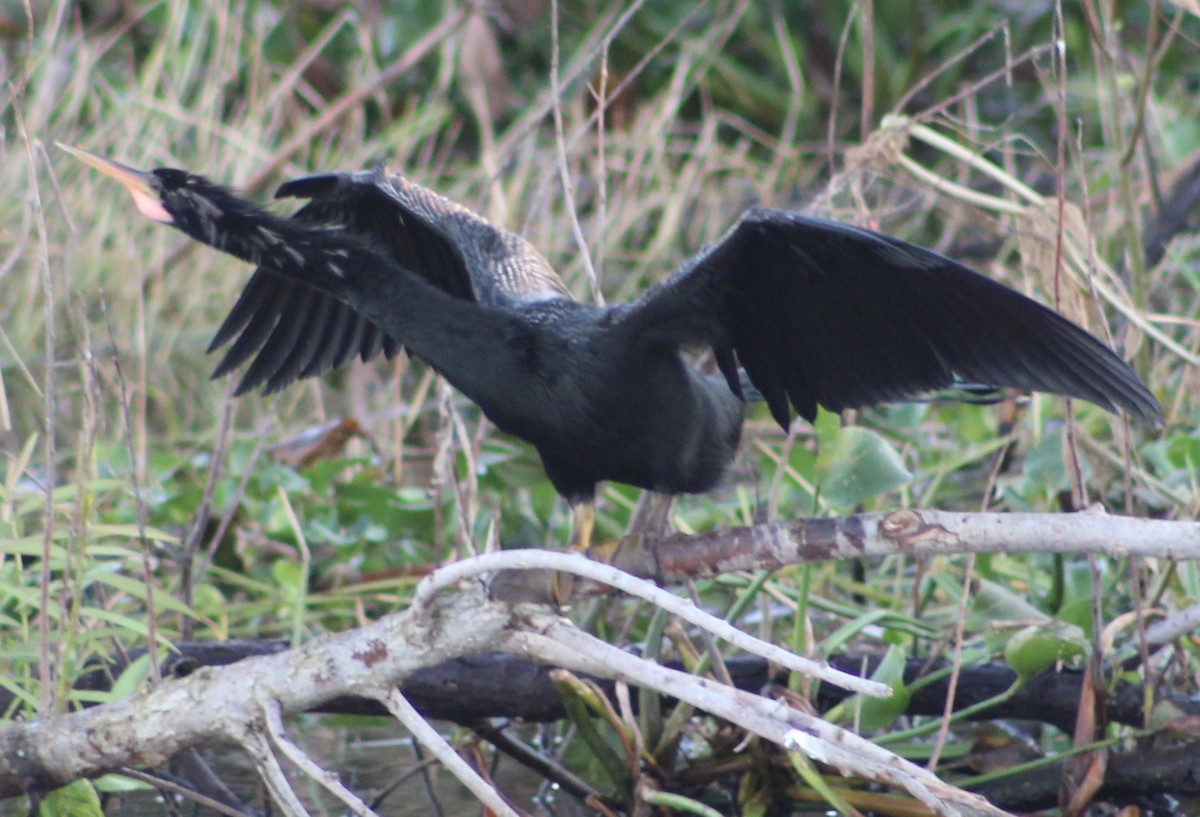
441 329
252 234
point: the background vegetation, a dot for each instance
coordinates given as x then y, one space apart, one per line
139 501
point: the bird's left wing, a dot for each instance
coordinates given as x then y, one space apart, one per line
824 313
293 331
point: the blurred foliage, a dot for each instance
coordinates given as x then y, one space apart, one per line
113 434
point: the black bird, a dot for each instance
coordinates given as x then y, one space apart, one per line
814 312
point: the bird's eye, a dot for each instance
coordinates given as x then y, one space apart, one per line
172 178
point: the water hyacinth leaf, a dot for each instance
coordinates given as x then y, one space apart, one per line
856 464
1035 648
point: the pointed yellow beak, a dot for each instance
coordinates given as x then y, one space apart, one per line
137 182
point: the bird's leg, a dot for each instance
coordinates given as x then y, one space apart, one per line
628 552
652 515
583 524
651 521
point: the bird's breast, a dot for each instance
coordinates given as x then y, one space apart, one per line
646 420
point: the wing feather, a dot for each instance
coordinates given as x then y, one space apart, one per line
290 331
825 313
281 345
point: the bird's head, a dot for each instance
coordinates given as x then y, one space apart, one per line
169 195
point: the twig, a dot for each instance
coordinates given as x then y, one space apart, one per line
404 712
45 620
272 774
1175 625
912 532
274 728
235 500
539 764
136 463
164 784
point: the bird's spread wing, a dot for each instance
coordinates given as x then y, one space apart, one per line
293 331
824 313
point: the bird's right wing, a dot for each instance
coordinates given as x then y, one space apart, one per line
824 313
293 331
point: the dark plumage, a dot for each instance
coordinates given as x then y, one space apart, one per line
817 313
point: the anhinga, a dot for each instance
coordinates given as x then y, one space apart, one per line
815 313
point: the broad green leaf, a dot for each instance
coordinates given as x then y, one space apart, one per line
991 602
1044 464
287 575
856 464
77 799
1039 647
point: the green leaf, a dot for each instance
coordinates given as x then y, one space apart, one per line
136 588
1044 464
852 629
120 620
1036 648
27 696
77 799
818 783
856 464
119 784
131 531
287 576
132 678
875 713
992 602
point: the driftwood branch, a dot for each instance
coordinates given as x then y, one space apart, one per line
471 689
245 705
907 531
226 704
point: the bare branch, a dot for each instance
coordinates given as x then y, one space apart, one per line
273 775
226 704
559 643
580 565
404 712
908 531
274 729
